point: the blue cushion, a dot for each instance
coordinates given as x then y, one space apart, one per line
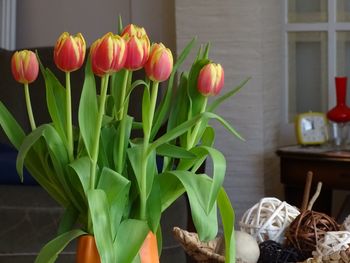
8 173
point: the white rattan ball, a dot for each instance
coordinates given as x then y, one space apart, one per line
268 219
346 223
332 241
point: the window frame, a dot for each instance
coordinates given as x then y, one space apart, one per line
8 24
330 27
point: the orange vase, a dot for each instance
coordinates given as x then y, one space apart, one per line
86 250
149 249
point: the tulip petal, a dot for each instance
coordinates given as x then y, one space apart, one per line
24 66
69 52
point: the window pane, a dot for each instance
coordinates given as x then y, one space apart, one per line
343 10
307 11
343 56
307 72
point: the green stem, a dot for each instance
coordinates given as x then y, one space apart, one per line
193 135
69 118
123 94
143 184
95 148
122 115
29 106
94 153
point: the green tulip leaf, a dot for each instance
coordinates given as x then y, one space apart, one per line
116 187
224 123
217 102
88 110
219 170
99 211
154 206
135 155
135 231
197 188
56 103
170 189
116 83
82 168
121 143
208 136
40 170
68 220
178 112
58 157
146 104
49 253
228 220
120 25
175 132
11 127
174 151
27 145
108 136
206 51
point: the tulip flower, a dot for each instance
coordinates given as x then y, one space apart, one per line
108 54
160 63
69 52
210 79
24 66
69 55
137 45
25 69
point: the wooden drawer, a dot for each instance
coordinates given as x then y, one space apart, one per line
332 173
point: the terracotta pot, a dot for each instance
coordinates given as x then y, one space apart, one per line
86 250
149 249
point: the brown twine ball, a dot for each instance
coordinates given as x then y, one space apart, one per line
307 228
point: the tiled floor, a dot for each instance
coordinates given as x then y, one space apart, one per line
29 219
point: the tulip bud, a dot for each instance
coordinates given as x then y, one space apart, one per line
211 79
137 45
24 66
108 54
69 52
160 63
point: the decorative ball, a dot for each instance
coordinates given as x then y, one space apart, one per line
271 251
268 219
346 224
342 256
333 241
307 229
247 249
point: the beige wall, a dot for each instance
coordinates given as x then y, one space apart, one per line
246 39
40 22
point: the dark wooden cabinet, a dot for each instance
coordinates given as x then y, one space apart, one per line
329 166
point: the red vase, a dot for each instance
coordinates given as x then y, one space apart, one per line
341 112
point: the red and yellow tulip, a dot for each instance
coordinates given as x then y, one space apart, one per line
108 54
137 45
160 63
210 79
69 52
24 66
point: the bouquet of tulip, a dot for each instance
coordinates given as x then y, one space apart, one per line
111 185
